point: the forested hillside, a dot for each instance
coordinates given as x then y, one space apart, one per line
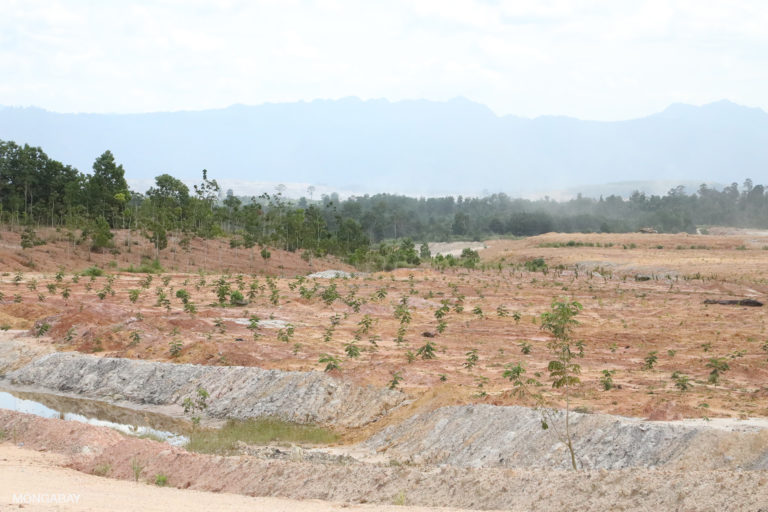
37 190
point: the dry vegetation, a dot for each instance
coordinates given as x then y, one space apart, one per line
641 294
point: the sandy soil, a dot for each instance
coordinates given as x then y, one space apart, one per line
39 476
454 248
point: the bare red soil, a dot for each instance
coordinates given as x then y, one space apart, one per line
623 320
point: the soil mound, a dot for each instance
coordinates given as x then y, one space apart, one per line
330 274
512 436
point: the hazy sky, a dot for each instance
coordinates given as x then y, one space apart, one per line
590 59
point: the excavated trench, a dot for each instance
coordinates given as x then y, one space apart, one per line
478 456
235 392
464 436
128 421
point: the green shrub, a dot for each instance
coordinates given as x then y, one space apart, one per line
92 272
536 265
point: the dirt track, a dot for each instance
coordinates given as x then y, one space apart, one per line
38 475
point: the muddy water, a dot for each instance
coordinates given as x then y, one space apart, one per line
128 421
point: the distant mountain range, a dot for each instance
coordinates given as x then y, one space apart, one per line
413 147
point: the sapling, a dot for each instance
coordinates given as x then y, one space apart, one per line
286 334
650 360
396 379
427 351
563 370
352 350
331 362
718 365
196 406
480 382
42 329
607 379
472 359
175 347
682 381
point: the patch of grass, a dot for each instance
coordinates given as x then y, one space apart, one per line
400 499
161 480
102 469
92 272
137 467
147 267
151 437
224 441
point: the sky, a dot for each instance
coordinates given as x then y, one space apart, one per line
603 60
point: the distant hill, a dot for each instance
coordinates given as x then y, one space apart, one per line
414 147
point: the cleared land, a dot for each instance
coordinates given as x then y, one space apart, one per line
643 295
624 319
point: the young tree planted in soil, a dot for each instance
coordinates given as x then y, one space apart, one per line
650 360
331 362
427 351
606 381
472 359
395 382
682 381
718 365
559 321
197 405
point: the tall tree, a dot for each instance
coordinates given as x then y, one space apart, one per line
107 189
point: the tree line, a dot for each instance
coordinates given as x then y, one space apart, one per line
38 190
384 216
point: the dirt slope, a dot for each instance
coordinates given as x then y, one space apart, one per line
235 392
131 249
488 436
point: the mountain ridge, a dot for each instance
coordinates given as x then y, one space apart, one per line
412 146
